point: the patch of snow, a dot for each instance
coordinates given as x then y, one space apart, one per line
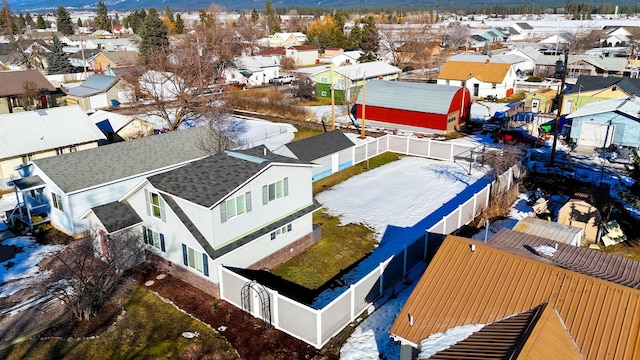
400 193
23 268
441 341
545 250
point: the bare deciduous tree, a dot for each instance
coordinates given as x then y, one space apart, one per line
92 269
455 35
30 95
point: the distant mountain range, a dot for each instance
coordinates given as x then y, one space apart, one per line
186 5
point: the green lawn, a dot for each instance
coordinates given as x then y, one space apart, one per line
340 246
150 329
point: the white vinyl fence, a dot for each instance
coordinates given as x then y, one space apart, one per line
317 326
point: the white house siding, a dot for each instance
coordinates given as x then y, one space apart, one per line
299 196
262 247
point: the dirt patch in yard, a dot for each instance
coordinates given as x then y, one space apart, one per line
251 337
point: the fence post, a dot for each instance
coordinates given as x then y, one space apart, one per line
404 261
444 225
451 152
386 137
221 284
426 244
275 302
459 216
381 278
429 147
475 204
319 328
352 315
408 143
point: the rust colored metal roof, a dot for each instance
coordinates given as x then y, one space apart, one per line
587 261
470 282
520 336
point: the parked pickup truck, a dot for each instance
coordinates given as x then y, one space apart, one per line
282 79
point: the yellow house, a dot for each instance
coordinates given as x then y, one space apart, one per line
540 100
590 89
113 59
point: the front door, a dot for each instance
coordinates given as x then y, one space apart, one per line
476 89
535 105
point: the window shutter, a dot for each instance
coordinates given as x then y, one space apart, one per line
162 247
163 214
247 199
286 186
185 259
205 263
265 195
144 235
223 211
147 202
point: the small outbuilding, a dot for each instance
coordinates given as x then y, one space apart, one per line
580 212
332 150
550 230
412 106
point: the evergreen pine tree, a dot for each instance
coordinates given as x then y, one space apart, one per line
58 60
169 14
273 20
101 21
40 24
28 20
79 23
255 16
154 37
179 25
63 21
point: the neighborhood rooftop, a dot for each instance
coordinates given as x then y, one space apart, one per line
410 96
95 84
12 82
470 282
319 146
124 159
32 131
206 181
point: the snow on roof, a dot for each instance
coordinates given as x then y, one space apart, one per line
629 106
34 131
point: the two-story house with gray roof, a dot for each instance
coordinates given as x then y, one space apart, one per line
245 209
71 184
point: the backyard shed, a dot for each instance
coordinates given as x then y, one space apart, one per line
566 234
414 106
580 212
332 150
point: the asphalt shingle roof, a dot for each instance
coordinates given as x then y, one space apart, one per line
113 162
12 82
321 145
588 83
207 181
116 216
458 70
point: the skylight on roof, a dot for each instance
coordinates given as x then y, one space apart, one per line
246 157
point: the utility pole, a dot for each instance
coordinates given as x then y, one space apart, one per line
364 102
560 101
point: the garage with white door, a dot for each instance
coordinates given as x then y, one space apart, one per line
596 135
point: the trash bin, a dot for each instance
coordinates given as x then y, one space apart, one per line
115 103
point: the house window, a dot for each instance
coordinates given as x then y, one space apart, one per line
280 231
195 259
155 205
275 190
493 85
235 206
57 201
340 83
59 151
446 82
464 83
324 80
73 148
153 238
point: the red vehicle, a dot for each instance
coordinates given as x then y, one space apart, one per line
517 137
